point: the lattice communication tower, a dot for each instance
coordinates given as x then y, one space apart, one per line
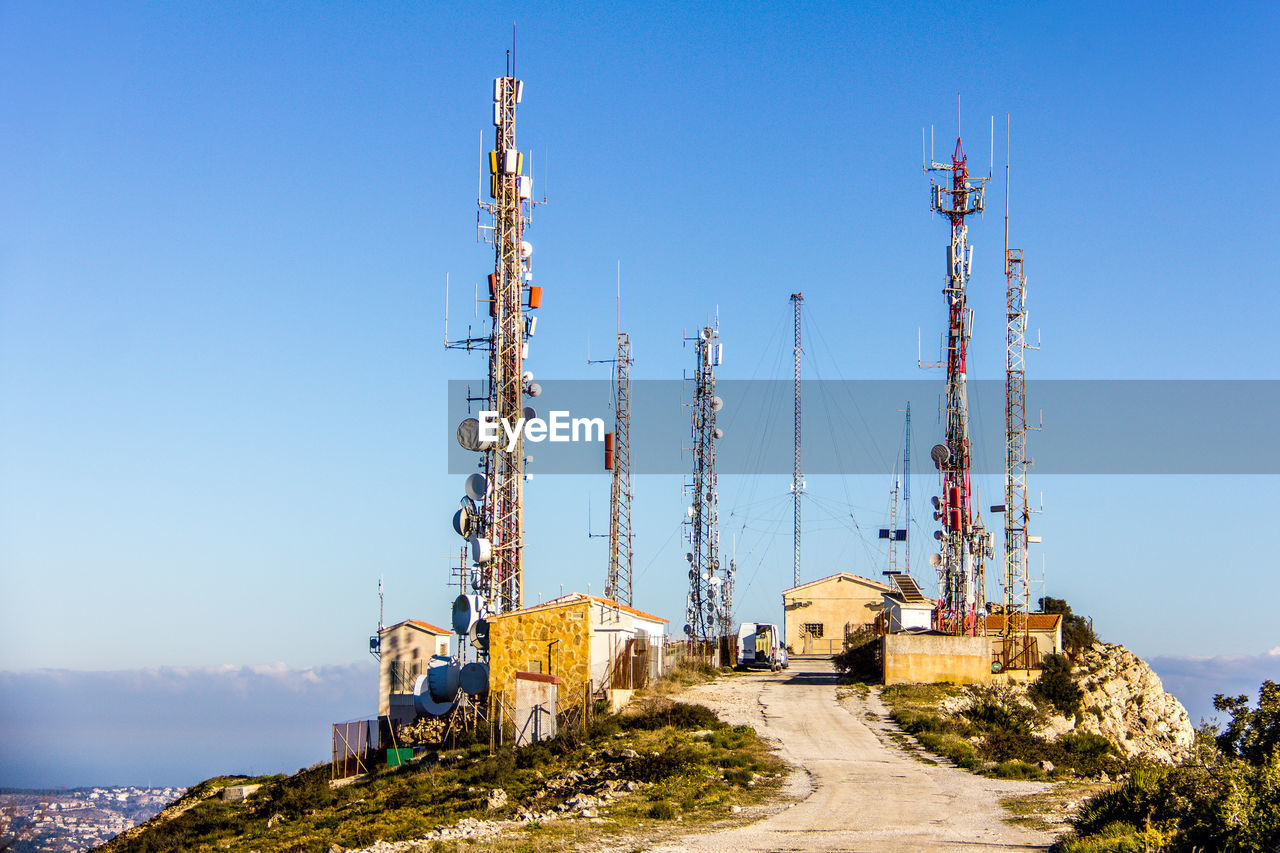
964 543
709 607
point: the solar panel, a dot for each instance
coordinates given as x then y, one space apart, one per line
907 586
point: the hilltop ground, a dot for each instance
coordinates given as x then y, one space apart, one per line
860 791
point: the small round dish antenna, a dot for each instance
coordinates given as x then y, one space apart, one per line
939 454
716 404
469 435
476 487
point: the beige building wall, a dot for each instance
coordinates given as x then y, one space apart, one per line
409 644
825 607
933 658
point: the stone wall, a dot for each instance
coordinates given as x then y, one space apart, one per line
554 640
931 658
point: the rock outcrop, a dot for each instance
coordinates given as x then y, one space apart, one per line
1124 701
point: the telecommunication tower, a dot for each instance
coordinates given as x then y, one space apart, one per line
492 513
964 542
1017 512
617 457
797 483
709 608
893 533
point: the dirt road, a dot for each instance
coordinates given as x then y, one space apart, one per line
861 792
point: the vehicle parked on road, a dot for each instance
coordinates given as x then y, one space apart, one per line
760 647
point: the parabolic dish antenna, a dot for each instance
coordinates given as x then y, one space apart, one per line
462 523
716 404
476 487
469 435
935 560
939 454
530 413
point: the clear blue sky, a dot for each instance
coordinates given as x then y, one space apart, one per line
225 230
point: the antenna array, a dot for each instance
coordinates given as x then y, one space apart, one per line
709 607
492 514
965 545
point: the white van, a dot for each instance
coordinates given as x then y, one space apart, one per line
760 646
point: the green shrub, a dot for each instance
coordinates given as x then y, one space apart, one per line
680 715
672 761
1056 686
1016 769
662 811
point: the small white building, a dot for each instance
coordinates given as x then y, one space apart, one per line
906 607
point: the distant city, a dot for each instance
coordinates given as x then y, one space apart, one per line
72 820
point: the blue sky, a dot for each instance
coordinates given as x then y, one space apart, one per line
226 229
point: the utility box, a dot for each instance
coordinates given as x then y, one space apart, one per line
398 757
537 700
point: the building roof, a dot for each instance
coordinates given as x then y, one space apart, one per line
578 598
1035 622
421 626
841 576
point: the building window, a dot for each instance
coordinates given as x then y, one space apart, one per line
403 675
813 629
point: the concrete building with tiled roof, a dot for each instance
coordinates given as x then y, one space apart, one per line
404 649
818 614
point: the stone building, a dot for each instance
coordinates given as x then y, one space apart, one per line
579 639
818 614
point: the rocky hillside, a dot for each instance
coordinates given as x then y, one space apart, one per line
1122 700
1125 702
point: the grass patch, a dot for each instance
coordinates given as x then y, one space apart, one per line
993 737
687 762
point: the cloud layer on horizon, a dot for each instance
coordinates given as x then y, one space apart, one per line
180 725
173 725
1195 680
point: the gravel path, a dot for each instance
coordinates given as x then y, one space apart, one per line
855 791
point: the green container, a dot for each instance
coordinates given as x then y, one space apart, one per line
398 757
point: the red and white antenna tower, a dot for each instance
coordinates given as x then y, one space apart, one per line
965 545
493 512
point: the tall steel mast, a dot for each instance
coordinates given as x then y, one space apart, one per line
797 484
618 582
964 543
501 564
1017 585
709 607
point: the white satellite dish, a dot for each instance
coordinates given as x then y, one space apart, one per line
534 389
939 454
526 249
716 404
526 377
462 523
481 550
717 433
935 560
705 334
689 512
476 487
